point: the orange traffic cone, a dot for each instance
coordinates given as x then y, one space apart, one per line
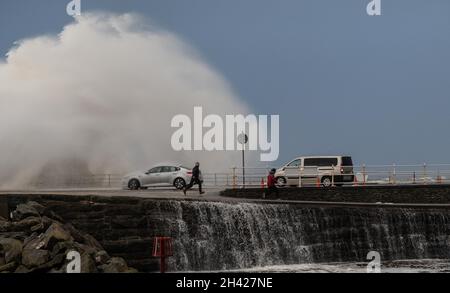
318 182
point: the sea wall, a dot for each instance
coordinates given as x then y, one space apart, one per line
232 235
368 194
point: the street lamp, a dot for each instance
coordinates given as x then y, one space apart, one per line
243 139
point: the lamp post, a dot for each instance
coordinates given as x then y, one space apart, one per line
243 139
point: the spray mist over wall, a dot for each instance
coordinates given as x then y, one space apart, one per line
99 97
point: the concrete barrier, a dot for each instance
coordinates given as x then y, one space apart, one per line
432 194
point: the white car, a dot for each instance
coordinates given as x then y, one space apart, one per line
177 176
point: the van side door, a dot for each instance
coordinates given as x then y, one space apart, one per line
309 171
292 172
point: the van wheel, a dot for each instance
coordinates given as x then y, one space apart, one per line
326 182
280 181
134 184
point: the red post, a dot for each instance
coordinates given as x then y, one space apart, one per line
162 248
162 264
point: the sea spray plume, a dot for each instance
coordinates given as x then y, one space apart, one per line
103 92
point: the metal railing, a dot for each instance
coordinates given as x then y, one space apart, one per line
257 177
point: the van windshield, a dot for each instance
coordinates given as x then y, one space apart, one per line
347 161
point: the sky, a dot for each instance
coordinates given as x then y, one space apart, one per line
343 82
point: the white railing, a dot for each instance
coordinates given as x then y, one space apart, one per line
257 177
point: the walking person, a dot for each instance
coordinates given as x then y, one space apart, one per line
195 179
271 184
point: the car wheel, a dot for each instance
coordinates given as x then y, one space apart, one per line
134 184
280 181
326 182
179 183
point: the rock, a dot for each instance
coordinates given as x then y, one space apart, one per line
83 238
55 261
62 247
22 270
8 267
34 257
36 240
23 211
30 238
87 264
55 233
37 206
26 224
12 249
102 257
115 265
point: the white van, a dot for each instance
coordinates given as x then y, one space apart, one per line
312 170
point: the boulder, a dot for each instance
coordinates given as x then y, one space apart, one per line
115 265
83 238
34 257
88 264
26 224
12 249
55 233
22 270
7 267
102 257
37 206
36 240
23 211
62 247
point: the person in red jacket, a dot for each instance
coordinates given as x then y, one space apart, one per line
271 183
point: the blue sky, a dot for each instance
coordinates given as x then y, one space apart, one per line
377 88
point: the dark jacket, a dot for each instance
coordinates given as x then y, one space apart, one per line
196 172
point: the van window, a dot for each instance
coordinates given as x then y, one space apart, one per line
347 161
321 162
310 162
295 163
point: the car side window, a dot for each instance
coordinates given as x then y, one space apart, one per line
166 169
155 170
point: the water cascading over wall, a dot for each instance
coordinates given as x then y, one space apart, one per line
215 236
230 235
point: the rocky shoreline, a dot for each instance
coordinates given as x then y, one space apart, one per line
38 240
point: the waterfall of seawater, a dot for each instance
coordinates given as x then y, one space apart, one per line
220 236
